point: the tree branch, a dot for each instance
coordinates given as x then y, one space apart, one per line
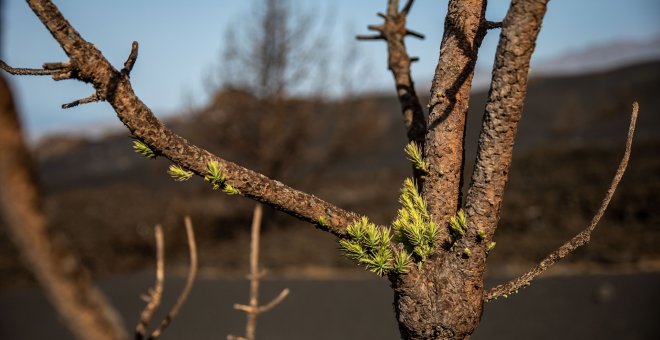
448 109
393 31
154 295
578 240
89 65
190 279
253 310
503 112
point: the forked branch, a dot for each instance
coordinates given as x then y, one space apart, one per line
155 294
578 240
393 31
254 309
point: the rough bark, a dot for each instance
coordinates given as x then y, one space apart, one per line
68 286
431 303
464 31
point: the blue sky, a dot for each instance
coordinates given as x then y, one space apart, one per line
180 43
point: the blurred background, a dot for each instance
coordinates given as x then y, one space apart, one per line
283 88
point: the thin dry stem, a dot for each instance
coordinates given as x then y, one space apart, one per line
190 280
393 31
578 240
130 61
91 99
155 294
253 309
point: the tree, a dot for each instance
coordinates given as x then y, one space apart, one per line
259 113
434 255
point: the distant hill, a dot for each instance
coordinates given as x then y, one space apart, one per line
106 199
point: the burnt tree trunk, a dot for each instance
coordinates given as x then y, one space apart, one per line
444 298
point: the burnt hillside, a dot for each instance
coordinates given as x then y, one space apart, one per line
105 199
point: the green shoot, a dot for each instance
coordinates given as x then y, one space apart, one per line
490 246
143 149
413 226
402 261
481 234
230 190
415 156
215 176
458 224
323 222
178 173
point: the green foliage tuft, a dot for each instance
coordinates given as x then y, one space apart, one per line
369 245
490 246
481 234
467 252
323 222
215 175
415 156
230 190
143 149
178 173
402 261
458 224
414 227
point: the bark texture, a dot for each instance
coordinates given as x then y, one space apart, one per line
431 303
68 286
464 31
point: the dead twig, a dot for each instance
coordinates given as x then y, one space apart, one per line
253 309
156 293
393 31
578 240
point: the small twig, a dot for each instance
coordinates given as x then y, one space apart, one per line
130 61
29 71
253 309
192 273
155 294
415 34
406 8
370 37
276 301
91 99
489 25
578 240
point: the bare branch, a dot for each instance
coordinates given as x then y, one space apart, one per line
578 240
504 109
406 8
393 30
130 61
190 279
370 37
415 34
92 67
253 310
489 25
276 301
154 296
91 99
28 71
448 108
